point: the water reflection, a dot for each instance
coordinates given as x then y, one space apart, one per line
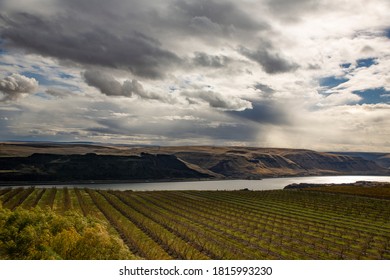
266 184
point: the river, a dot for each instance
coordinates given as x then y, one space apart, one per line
265 184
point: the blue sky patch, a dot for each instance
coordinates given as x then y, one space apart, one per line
2 50
66 76
42 80
345 65
387 33
332 81
374 96
365 62
5 64
42 95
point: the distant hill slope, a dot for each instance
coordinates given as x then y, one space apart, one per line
254 163
69 162
382 159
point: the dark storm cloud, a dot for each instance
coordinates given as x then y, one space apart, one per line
109 86
292 10
126 34
225 14
171 19
218 100
69 38
263 88
269 59
60 93
213 61
227 132
180 129
13 86
106 83
264 112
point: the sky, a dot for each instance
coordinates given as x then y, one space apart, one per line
306 74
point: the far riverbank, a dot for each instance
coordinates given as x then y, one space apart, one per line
163 185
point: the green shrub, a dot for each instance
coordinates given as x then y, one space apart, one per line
38 234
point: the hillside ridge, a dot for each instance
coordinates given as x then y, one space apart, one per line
61 162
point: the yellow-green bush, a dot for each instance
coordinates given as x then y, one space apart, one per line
38 234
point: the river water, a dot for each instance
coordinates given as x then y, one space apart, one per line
265 184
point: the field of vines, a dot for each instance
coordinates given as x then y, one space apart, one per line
377 190
279 224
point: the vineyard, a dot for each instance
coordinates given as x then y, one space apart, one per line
375 190
280 224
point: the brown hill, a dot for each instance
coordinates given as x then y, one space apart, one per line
382 159
189 162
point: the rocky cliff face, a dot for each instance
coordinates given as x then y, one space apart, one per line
48 167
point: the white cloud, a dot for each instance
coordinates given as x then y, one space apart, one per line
192 71
13 86
342 98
